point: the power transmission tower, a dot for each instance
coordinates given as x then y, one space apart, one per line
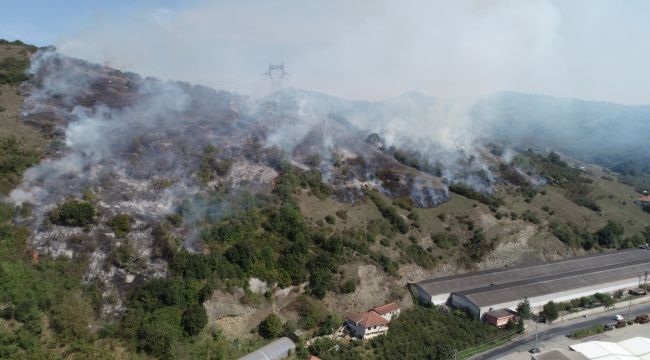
276 74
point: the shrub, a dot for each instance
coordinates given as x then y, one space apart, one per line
349 286
468 192
342 214
330 219
530 217
73 213
271 327
121 225
444 240
583 333
194 319
551 311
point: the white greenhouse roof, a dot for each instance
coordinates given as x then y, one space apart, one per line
637 348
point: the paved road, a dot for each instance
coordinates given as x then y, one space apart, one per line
547 332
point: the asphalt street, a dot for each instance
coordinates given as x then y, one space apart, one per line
546 332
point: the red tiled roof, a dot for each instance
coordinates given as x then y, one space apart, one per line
367 319
644 198
313 358
385 309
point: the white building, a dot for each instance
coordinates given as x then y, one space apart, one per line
366 325
562 280
388 311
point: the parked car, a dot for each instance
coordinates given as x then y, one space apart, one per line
618 317
534 350
609 327
620 324
642 319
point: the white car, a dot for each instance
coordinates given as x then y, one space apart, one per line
618 317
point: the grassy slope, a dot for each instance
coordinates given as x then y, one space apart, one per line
616 200
30 140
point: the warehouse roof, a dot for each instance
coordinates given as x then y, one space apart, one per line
557 354
463 282
631 349
570 280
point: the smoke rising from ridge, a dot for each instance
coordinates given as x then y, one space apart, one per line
372 50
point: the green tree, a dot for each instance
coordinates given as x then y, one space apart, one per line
523 309
73 213
271 327
73 316
194 319
551 311
610 235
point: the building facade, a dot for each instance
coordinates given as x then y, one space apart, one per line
563 280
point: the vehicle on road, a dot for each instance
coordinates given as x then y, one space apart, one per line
642 319
609 327
620 324
534 350
618 317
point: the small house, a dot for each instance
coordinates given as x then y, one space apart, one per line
499 318
388 311
367 324
643 201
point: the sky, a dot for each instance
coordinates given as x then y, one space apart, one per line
587 49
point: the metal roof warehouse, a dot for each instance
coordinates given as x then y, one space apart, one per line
561 280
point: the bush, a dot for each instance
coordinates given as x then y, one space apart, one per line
330 219
121 225
468 192
583 333
349 286
551 311
271 327
194 319
72 317
73 213
445 240
389 212
530 217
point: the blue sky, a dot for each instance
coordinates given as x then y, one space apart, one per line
44 22
590 49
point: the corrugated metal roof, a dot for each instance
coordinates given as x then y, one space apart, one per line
463 282
513 291
557 354
637 348
274 351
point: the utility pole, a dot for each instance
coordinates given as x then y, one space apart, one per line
276 74
536 334
629 307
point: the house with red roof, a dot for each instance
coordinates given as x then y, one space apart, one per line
643 201
388 311
373 322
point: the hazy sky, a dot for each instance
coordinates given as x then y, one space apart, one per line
360 49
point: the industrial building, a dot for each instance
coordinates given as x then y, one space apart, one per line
562 280
637 348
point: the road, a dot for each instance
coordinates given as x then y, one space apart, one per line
546 332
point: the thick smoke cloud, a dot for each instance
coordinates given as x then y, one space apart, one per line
380 49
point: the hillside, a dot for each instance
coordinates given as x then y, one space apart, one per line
163 219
